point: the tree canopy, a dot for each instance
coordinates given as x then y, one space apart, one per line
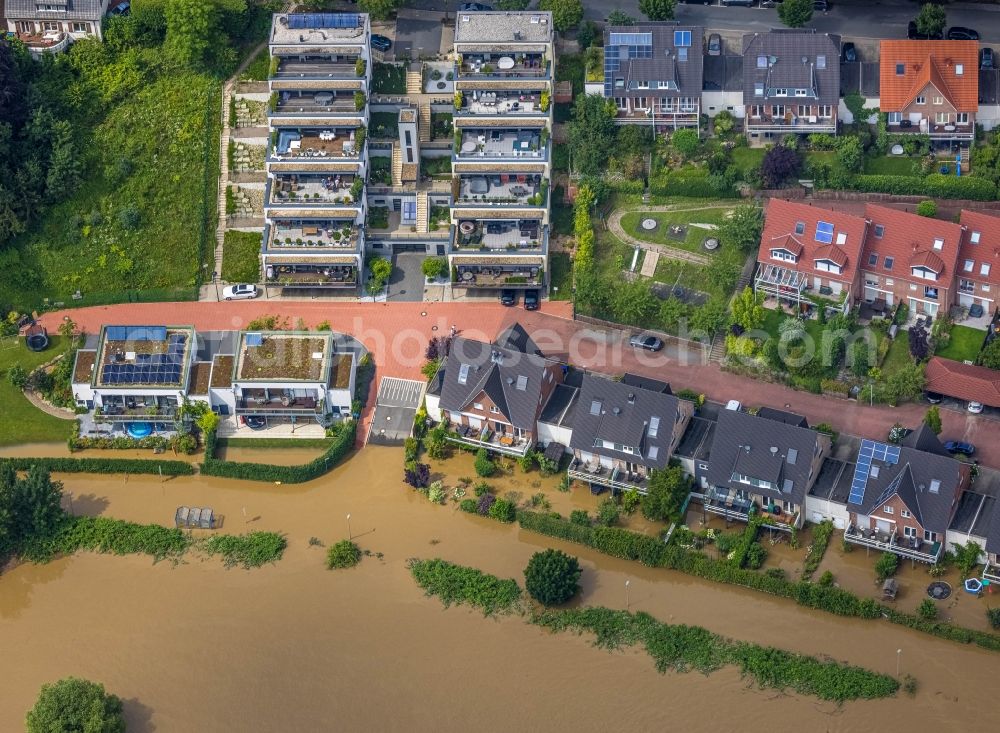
930 20
668 488
742 229
592 133
566 14
658 9
75 705
552 577
795 13
747 309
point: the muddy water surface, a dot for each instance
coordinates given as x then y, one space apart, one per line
296 647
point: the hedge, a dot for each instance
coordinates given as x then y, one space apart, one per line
103 465
935 185
340 446
652 552
692 186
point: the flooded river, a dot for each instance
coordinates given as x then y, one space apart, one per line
294 647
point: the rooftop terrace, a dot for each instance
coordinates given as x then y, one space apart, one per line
504 27
283 357
313 29
130 356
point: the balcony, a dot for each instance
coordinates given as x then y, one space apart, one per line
967 287
485 103
501 190
726 504
949 131
317 67
298 190
909 547
483 145
615 478
791 123
310 272
47 42
490 439
516 236
135 409
673 115
315 103
276 402
504 66
498 272
316 144
306 236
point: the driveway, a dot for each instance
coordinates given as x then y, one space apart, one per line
395 406
407 280
417 34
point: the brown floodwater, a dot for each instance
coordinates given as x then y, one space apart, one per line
294 647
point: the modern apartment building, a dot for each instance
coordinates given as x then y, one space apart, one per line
502 156
317 162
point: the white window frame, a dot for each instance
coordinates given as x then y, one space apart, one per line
888 509
962 118
921 99
904 514
941 118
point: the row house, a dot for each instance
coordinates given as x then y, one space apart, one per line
314 197
50 26
979 263
653 72
502 155
930 88
791 82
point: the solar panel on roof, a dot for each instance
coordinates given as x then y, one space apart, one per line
323 20
631 39
115 333
824 232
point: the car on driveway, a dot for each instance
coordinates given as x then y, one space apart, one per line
242 291
959 446
645 341
914 35
120 9
715 45
508 297
744 3
849 52
474 7
381 43
975 407
531 300
933 397
986 58
960 33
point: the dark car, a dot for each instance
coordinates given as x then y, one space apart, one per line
821 5
508 297
960 33
959 446
986 58
474 7
849 53
914 35
933 397
531 300
744 3
645 341
715 45
121 9
380 43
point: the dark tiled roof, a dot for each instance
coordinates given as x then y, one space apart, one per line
663 65
697 439
514 337
993 531
925 439
974 515
722 73
834 481
859 77
761 448
620 413
75 10
791 63
648 383
789 418
560 406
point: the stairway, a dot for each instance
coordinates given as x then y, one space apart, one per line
397 166
424 125
422 208
415 78
718 352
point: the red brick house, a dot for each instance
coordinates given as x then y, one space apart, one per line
808 252
909 259
963 381
979 261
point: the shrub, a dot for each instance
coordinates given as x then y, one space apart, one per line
820 539
607 513
102 465
456 584
755 556
74 704
344 554
630 501
580 516
417 475
502 510
250 550
483 465
410 447
481 488
436 493
779 164
927 610
886 565
468 506
927 208
485 504
552 577
993 616
826 579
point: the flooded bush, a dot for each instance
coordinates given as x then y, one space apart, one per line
102 465
886 565
344 554
580 516
485 503
502 510
607 513
481 488
461 585
483 465
75 704
927 610
468 505
552 577
250 550
820 539
436 493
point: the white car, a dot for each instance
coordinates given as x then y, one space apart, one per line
734 405
975 407
240 292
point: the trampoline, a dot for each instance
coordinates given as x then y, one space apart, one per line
939 590
139 429
36 339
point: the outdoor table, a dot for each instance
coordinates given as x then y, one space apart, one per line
505 62
468 147
323 98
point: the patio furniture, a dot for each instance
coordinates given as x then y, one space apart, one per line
323 98
181 516
889 589
506 440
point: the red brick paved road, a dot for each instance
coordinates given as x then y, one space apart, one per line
397 335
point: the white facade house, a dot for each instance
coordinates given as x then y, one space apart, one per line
50 26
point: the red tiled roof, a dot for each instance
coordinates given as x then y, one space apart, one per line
780 222
929 62
963 381
909 240
985 251
787 242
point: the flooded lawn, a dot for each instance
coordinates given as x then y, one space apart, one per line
294 647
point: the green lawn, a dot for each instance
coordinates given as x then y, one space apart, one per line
898 355
384 125
693 236
747 159
259 68
22 422
964 345
389 79
561 269
822 157
773 319
897 165
241 257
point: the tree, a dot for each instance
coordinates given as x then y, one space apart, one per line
586 35
344 554
723 123
930 20
850 154
33 503
566 14
380 269
378 9
919 346
710 317
885 566
658 9
928 208
932 419
966 557
75 705
634 303
668 488
189 23
747 309
607 513
434 267
620 17
742 229
780 163
685 141
990 356
795 13
592 133
927 610
483 465
552 577
208 421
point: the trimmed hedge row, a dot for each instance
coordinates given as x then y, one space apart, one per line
339 447
649 551
935 185
103 465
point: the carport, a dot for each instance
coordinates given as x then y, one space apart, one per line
395 407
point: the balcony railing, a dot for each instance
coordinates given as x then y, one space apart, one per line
279 406
991 572
135 414
487 438
726 506
613 478
766 124
910 547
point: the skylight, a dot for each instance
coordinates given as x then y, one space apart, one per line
463 374
935 486
821 62
974 237
793 455
879 230
900 69
841 238
888 262
654 451
762 62
522 382
654 426
800 227
824 232
938 243
682 54
595 407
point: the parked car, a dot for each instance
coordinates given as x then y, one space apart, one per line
474 7
975 407
381 43
242 291
715 45
986 58
744 3
933 397
914 35
734 405
960 33
508 297
253 422
960 446
121 9
531 300
821 5
849 53
645 341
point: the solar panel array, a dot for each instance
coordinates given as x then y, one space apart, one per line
621 47
136 333
824 232
870 451
149 368
300 21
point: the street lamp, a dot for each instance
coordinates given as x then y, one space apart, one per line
627 604
898 653
349 535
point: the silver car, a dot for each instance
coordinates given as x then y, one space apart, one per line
243 291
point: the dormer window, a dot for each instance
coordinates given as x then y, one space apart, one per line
781 92
783 254
800 92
